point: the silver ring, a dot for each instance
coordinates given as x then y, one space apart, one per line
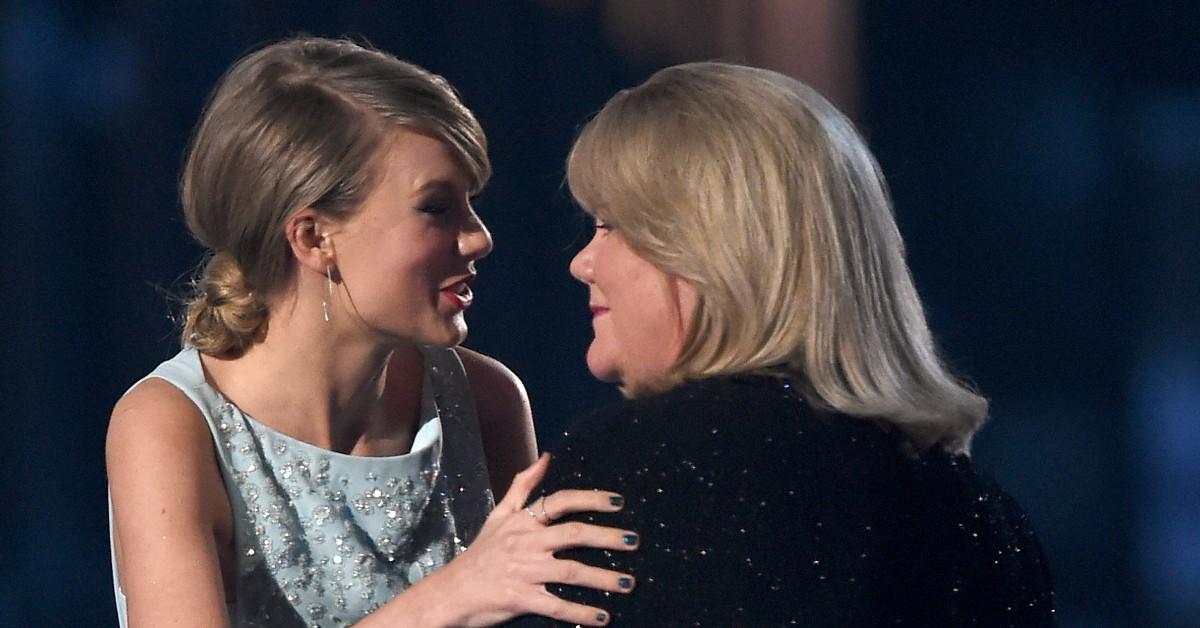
547 517
530 512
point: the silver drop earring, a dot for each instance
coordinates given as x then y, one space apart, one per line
329 283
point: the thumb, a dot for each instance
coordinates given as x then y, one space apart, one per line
524 482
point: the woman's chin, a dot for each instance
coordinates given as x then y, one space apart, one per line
603 371
449 335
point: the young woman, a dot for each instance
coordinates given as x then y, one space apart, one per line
320 452
792 448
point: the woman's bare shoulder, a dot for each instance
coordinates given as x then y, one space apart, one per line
154 413
159 448
505 417
498 391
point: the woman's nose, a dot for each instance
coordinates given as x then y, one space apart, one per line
474 241
581 264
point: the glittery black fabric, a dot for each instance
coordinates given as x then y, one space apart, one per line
755 510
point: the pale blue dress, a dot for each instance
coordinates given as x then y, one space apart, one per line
323 538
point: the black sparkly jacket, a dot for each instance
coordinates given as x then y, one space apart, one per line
756 510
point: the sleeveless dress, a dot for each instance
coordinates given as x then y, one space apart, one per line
323 538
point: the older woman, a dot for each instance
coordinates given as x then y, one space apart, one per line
792 448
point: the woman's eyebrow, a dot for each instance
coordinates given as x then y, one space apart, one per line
445 185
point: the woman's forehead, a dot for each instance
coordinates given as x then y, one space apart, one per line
424 163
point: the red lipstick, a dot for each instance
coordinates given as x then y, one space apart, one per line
459 294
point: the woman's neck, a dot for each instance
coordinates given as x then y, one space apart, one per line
329 385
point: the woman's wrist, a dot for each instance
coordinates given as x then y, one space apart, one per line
426 604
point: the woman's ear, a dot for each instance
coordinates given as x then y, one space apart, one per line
310 244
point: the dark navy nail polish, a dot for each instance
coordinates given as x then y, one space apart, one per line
625 583
616 500
601 617
629 539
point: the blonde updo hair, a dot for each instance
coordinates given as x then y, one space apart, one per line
300 123
754 189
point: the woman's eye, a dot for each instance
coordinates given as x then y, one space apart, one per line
434 208
603 226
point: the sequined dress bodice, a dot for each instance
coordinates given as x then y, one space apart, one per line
323 538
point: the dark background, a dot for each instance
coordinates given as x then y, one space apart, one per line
1045 165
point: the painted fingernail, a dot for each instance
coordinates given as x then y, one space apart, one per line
616 500
625 583
629 539
601 617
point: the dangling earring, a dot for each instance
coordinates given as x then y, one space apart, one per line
329 283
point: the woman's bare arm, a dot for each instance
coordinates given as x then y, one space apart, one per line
505 418
167 497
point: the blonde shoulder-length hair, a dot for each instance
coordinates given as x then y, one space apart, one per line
755 190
